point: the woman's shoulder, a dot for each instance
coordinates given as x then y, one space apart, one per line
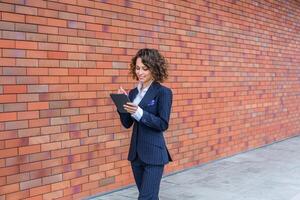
164 89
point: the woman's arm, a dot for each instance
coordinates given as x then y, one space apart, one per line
126 119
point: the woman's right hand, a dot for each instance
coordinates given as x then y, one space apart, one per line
121 91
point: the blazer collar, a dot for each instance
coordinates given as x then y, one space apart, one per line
150 94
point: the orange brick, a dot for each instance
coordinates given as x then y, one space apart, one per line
9 188
51 146
97 176
28 115
26 10
90 185
57 22
53 195
36 54
7 43
70 143
47 29
6 7
39 123
39 173
39 139
52 179
14 71
8 153
50 130
49 79
79 118
30 167
38 106
9 170
79 181
13 53
8 116
35 19
80 165
30 184
81 72
4 135
39 156
98 72
16 178
58 72
14 89
29 132
60 185
57 55
26 62
39 197
52 162
13 17
33 71
7 62
18 195
26 45
29 149
60 137
40 190
72 174
81 195
16 142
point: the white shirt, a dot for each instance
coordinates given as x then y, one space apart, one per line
139 112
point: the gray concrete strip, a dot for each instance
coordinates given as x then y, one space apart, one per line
271 172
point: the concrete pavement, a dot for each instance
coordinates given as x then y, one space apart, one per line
271 172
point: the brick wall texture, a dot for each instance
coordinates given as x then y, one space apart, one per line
234 72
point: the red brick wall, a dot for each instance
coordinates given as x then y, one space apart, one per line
234 71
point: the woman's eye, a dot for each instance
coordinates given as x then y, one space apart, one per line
145 69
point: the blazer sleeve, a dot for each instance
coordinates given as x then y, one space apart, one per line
126 119
160 122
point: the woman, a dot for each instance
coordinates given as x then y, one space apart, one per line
149 113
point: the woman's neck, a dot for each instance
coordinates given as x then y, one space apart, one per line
144 85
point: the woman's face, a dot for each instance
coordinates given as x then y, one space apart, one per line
142 72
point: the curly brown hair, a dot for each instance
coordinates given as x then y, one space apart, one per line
154 61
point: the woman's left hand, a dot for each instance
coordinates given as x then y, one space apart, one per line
131 107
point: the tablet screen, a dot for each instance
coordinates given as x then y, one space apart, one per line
120 100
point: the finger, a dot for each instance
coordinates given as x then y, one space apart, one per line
131 104
130 109
123 91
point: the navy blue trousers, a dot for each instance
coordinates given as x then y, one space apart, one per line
147 178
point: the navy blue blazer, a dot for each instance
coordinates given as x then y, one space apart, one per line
147 138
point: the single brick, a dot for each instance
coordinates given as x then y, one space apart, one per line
16 125
30 184
52 179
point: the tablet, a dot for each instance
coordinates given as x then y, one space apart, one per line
120 100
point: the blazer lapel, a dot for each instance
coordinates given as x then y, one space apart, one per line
150 94
133 94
